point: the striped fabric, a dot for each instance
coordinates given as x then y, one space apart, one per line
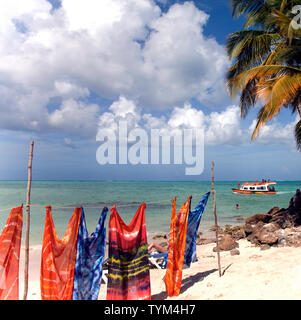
128 268
89 259
194 219
10 244
176 251
58 259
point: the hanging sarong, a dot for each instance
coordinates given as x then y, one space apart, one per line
194 219
58 258
176 250
10 245
89 259
128 268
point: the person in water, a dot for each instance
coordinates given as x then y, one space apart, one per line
237 206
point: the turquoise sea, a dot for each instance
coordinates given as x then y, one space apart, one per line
128 195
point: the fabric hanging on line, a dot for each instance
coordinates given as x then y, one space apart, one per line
176 250
58 258
128 268
89 259
194 219
10 245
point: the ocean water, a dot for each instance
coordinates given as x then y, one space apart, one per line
128 195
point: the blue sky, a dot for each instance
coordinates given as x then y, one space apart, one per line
70 69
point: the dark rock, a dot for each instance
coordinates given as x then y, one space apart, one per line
240 218
273 211
285 218
249 228
267 235
277 227
253 236
227 243
201 241
213 228
264 217
228 227
237 232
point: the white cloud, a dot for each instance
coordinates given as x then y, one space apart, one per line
108 47
66 89
221 128
75 117
275 132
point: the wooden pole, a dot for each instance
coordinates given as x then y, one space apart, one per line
27 222
215 219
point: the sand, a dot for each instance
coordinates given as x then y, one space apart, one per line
254 274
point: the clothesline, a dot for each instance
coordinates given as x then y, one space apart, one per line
96 207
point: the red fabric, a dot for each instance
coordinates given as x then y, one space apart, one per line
58 259
10 245
128 266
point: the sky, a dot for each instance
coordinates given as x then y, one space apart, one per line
70 69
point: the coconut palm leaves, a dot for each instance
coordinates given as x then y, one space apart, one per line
266 60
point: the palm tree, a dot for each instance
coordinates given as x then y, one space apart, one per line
266 60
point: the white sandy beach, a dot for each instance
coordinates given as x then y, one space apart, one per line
254 274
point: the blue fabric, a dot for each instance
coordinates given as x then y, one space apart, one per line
89 259
194 219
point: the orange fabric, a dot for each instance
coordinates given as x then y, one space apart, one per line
176 249
10 245
58 259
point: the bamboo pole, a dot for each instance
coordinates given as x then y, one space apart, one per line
27 221
215 219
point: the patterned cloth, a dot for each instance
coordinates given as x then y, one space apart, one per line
10 244
89 259
128 268
194 219
58 259
176 251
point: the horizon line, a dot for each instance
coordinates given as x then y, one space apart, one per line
133 180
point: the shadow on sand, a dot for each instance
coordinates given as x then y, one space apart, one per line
186 283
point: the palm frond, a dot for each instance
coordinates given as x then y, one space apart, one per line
276 93
262 72
248 97
262 119
253 43
295 103
241 7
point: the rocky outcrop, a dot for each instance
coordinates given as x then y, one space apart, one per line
237 232
274 228
277 227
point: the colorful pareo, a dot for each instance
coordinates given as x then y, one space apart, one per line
10 245
58 259
194 219
89 259
176 248
128 267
